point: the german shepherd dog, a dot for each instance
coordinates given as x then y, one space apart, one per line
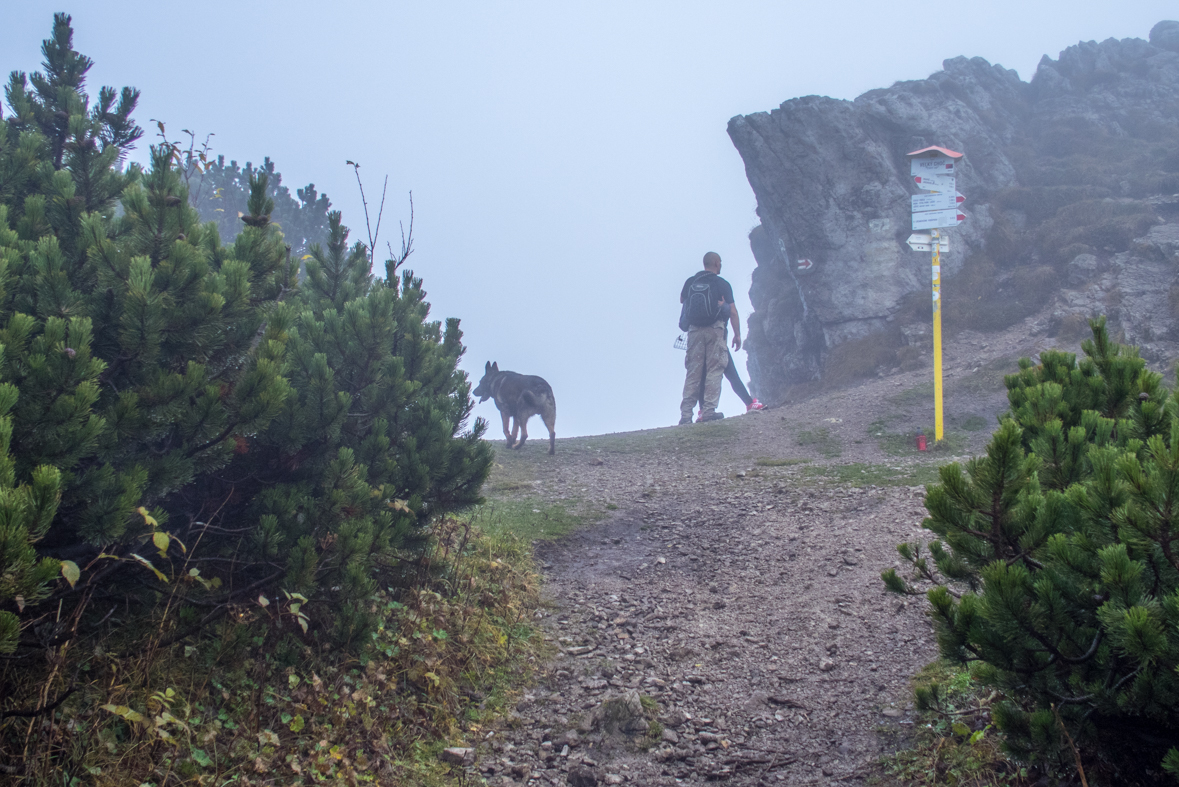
519 396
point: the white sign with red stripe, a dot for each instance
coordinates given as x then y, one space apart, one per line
933 219
943 183
938 165
804 265
936 200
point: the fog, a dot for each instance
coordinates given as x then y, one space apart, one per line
569 165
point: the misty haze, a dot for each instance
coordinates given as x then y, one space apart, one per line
522 395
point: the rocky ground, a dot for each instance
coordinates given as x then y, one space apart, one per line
724 620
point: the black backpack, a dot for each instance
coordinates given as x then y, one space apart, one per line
701 306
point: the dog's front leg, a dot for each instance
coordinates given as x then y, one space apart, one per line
511 438
515 432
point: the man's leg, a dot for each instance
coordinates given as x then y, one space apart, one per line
734 378
695 365
700 395
716 356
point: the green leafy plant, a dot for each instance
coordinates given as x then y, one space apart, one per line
954 741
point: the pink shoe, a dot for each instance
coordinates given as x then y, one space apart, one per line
700 416
755 405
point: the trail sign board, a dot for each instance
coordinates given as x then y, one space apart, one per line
938 165
932 169
936 200
920 241
943 183
936 219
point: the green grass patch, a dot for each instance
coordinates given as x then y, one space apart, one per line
952 443
954 741
987 378
862 474
690 437
530 519
510 474
505 486
905 443
893 443
918 394
787 462
822 440
974 423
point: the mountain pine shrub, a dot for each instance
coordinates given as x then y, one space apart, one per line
181 418
1055 575
220 192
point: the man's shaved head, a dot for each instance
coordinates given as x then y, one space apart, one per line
712 261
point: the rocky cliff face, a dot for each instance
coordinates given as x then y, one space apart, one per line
1066 180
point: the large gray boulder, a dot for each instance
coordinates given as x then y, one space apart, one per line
832 185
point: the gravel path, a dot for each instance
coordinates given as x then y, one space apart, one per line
726 620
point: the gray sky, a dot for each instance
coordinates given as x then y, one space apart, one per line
569 161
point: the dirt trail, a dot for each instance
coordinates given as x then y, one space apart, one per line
732 591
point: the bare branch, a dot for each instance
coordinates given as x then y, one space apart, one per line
406 242
372 238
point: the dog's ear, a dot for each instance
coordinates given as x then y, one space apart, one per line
487 367
495 366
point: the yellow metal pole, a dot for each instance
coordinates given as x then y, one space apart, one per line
937 335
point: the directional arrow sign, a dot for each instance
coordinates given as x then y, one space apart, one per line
944 183
923 242
804 265
936 200
941 165
933 219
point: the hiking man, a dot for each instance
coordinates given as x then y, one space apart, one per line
734 378
707 301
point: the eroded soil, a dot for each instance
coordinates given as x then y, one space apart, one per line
731 592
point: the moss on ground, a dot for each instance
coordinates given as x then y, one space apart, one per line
822 440
861 474
953 741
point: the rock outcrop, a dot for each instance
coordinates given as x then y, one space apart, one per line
1064 176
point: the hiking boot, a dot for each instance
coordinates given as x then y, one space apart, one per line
755 405
687 419
714 416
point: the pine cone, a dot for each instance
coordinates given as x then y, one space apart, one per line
256 221
172 201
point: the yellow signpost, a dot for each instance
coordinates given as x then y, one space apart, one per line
932 170
937 334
